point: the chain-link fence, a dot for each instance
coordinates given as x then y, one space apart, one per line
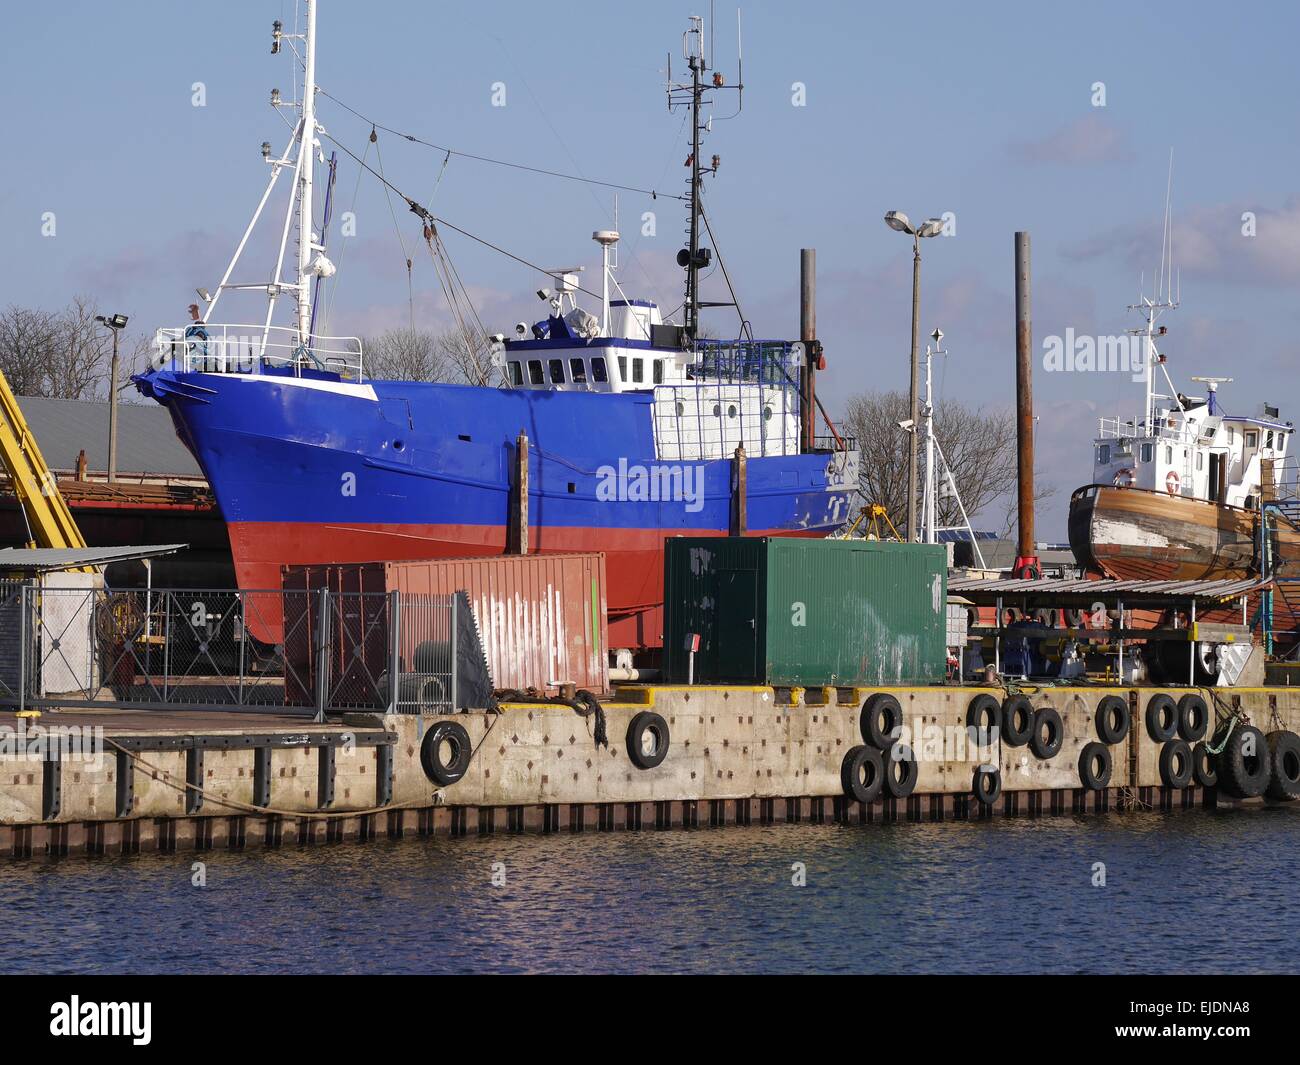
151 648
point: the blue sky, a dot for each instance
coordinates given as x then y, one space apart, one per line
982 110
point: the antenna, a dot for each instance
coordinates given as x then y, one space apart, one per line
692 94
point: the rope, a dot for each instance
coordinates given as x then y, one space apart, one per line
1223 713
584 704
161 775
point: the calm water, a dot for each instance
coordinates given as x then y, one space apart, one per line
1195 892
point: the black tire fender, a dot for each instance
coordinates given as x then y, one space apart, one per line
1284 761
1095 766
1017 721
1049 733
1203 766
445 752
862 773
1162 718
901 771
882 717
1176 764
1193 717
983 715
1113 720
647 724
1244 775
986 784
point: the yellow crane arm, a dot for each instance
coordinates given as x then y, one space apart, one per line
48 516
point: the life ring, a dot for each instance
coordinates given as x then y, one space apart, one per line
445 753
1124 479
1171 483
862 773
647 725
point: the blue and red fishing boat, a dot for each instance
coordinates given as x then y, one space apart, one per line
630 424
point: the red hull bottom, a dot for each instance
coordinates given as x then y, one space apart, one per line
634 559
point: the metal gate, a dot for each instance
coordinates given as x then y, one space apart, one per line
197 649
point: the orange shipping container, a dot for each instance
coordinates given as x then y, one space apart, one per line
542 618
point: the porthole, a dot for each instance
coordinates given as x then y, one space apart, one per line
731 410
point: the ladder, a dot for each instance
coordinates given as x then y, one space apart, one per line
49 521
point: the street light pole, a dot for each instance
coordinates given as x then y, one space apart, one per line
116 323
112 413
912 394
932 227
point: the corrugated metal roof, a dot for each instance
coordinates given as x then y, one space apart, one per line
58 558
1050 587
146 439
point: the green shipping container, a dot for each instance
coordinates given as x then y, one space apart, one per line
795 611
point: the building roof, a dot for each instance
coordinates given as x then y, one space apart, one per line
47 559
1050 589
146 440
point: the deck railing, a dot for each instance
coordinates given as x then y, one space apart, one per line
254 349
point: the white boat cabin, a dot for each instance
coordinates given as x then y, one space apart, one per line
708 398
1193 449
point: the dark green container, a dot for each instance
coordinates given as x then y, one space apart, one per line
796 611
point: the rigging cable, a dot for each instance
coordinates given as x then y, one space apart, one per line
410 284
654 194
425 215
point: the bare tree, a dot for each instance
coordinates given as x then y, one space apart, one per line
62 354
82 352
420 355
27 344
407 355
979 444
470 352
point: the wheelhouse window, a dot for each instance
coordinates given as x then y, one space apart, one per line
1147 452
598 373
535 372
638 371
1103 454
1252 438
557 371
577 372
622 368
658 371
1268 438
1169 455
516 373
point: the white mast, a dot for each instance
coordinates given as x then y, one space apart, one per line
607 239
930 509
306 238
